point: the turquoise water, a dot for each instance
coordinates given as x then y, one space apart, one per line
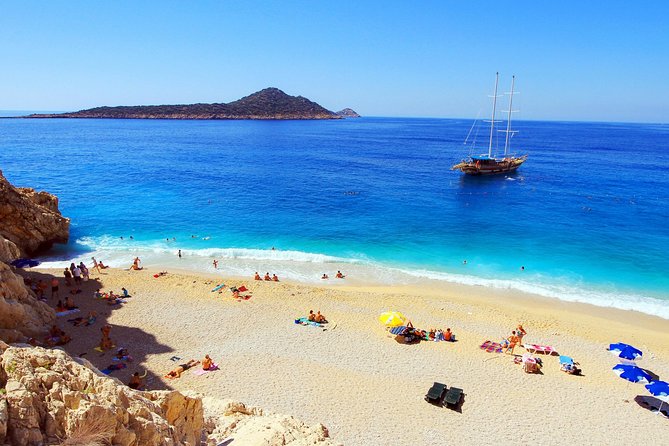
586 215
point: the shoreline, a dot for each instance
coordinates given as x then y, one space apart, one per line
361 273
340 377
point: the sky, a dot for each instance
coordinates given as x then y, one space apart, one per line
573 60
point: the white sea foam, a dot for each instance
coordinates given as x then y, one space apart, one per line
308 267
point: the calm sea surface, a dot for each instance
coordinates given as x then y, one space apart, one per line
587 215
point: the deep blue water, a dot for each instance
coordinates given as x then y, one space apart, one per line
586 215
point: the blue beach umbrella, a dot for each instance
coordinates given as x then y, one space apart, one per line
632 373
660 390
625 351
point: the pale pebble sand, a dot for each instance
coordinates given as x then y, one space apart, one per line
363 385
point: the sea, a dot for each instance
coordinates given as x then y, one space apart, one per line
585 219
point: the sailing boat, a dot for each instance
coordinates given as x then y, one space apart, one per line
487 164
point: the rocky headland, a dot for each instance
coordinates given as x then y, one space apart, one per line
270 103
48 397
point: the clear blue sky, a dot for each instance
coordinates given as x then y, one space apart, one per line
574 60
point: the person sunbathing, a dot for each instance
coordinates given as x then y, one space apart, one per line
432 334
267 277
101 265
320 318
340 275
448 336
60 307
69 303
325 276
235 293
312 316
257 276
275 278
136 380
176 373
207 363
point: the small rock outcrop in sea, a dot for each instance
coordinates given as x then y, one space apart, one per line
348 113
30 220
270 103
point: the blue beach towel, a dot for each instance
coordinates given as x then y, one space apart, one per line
305 321
397 330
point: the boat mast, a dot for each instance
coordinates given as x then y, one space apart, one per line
508 123
492 122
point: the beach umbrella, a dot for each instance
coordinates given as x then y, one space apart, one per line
660 390
392 319
625 351
632 373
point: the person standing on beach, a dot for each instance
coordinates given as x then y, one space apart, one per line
54 288
68 277
95 264
179 253
215 264
76 273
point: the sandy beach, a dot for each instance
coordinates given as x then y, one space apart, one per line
358 380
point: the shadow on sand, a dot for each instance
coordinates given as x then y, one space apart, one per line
85 338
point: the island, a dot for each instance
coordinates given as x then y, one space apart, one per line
270 103
348 113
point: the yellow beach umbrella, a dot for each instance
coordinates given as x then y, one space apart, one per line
392 319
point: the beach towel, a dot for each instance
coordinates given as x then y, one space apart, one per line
242 288
126 358
200 372
305 321
491 347
218 287
244 297
67 312
397 330
99 349
110 368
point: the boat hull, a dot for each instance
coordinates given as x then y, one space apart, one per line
496 168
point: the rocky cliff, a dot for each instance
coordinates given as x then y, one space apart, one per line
48 398
30 220
270 103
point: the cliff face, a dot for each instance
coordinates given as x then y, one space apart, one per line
270 103
30 220
21 314
49 397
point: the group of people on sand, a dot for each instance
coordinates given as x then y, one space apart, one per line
268 278
207 365
411 334
515 339
135 265
316 317
98 265
339 275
